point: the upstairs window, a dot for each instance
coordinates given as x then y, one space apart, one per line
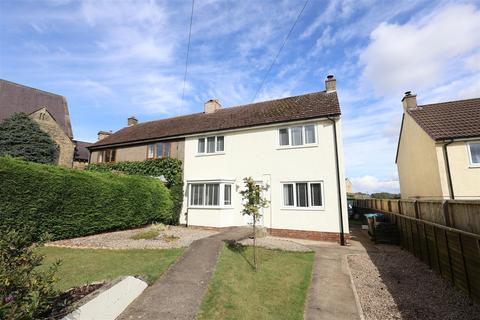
211 145
158 150
297 136
474 153
107 155
303 194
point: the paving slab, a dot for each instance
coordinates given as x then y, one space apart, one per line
179 292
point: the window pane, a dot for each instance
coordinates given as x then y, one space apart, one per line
212 194
114 153
284 137
288 195
210 144
107 155
297 136
100 156
316 194
150 151
220 143
166 150
159 150
302 195
475 152
201 145
227 197
197 194
310 134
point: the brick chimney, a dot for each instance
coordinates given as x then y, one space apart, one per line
132 121
409 101
103 134
330 84
211 106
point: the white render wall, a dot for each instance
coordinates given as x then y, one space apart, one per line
255 152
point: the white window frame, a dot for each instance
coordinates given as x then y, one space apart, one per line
290 136
221 196
217 152
309 190
469 151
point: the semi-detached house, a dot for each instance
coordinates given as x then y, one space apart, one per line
292 146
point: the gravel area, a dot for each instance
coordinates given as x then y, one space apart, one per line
392 284
277 243
170 237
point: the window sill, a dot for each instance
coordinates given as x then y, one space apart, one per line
474 166
211 207
313 145
209 154
303 208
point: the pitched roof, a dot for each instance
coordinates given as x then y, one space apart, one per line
449 120
308 106
81 151
19 98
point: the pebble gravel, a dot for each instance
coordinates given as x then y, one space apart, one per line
392 284
182 237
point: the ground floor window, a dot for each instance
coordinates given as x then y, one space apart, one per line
303 194
107 155
211 194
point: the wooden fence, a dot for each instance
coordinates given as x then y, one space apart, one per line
457 214
453 253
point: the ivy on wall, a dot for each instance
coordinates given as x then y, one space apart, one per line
71 203
169 168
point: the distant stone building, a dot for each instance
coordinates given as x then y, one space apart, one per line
81 155
49 110
348 186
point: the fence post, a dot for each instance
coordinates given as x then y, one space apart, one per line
465 265
415 205
449 257
426 244
446 215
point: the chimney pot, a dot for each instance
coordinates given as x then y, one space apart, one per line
409 101
330 84
211 106
132 121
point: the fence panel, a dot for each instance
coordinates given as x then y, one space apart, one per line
431 211
464 215
408 207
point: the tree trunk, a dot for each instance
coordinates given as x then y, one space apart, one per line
254 243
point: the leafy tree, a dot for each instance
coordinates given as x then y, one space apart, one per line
253 203
22 137
385 195
25 291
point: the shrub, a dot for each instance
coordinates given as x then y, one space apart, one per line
71 203
170 168
25 292
20 136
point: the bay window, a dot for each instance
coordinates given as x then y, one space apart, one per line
211 194
211 145
303 194
297 136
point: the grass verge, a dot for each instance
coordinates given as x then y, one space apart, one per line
276 291
83 266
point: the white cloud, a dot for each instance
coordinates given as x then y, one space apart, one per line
371 184
418 55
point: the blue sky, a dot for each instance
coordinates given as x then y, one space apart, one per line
114 59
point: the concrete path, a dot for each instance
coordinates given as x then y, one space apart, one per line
331 295
179 292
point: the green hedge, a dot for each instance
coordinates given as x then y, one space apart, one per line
170 168
71 203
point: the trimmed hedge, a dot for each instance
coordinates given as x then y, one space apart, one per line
72 203
170 168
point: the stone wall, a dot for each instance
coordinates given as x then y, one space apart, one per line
49 125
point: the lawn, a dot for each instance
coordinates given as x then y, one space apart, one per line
276 291
82 266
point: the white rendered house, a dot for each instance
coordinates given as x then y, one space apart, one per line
290 149
291 145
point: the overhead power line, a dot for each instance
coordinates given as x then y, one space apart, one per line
280 50
186 60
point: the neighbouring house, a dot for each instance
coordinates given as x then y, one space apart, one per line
348 186
438 153
49 110
81 155
292 146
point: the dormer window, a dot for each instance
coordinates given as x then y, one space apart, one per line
211 145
